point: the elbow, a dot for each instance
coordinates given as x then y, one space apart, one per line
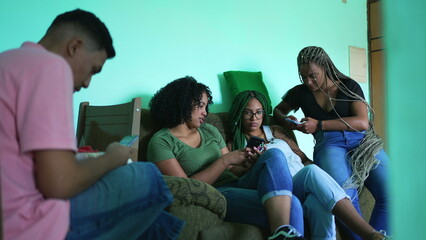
363 126
276 113
56 195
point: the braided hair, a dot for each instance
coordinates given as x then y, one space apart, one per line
236 112
362 158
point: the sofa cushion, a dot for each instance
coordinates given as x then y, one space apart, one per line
221 122
188 191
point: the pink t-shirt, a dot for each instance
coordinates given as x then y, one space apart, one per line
36 114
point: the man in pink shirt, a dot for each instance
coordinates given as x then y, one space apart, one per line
46 193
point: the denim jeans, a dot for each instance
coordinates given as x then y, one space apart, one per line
318 193
331 153
127 203
268 177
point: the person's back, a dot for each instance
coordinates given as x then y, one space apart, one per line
48 194
27 126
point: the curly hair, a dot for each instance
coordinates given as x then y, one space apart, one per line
172 105
236 111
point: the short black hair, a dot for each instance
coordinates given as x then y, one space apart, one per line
172 105
90 25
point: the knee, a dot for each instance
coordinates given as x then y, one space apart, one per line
313 170
274 152
274 157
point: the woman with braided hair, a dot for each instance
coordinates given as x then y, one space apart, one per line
336 113
321 196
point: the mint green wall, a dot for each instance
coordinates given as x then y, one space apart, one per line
160 40
405 38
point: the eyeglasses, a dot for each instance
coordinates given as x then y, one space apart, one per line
249 114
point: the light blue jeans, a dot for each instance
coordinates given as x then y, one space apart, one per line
127 203
268 177
318 193
331 153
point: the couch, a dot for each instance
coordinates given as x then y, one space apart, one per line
200 205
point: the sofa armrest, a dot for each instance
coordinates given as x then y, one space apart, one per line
188 191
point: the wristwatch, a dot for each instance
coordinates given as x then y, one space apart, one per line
319 125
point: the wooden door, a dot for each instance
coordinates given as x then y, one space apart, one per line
377 67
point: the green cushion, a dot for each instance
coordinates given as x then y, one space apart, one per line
239 81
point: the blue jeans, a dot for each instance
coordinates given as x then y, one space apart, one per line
318 193
127 203
268 177
331 153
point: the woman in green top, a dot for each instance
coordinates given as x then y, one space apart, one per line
185 147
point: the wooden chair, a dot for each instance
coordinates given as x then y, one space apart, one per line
98 126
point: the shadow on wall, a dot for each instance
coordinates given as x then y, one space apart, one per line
225 103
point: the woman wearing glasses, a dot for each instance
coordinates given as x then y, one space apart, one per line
186 147
321 196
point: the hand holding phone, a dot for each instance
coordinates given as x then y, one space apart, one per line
255 142
129 141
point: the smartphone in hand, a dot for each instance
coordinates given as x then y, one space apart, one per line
255 142
292 121
129 140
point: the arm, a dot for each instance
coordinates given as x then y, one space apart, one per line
358 120
280 112
278 132
211 173
59 175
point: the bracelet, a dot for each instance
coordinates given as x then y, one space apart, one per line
319 125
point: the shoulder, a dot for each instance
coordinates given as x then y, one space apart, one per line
350 83
38 65
34 54
162 140
211 133
162 136
296 96
298 88
296 91
209 128
353 86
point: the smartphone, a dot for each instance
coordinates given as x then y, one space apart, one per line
129 140
292 121
255 142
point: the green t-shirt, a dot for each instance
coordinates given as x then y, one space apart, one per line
163 145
